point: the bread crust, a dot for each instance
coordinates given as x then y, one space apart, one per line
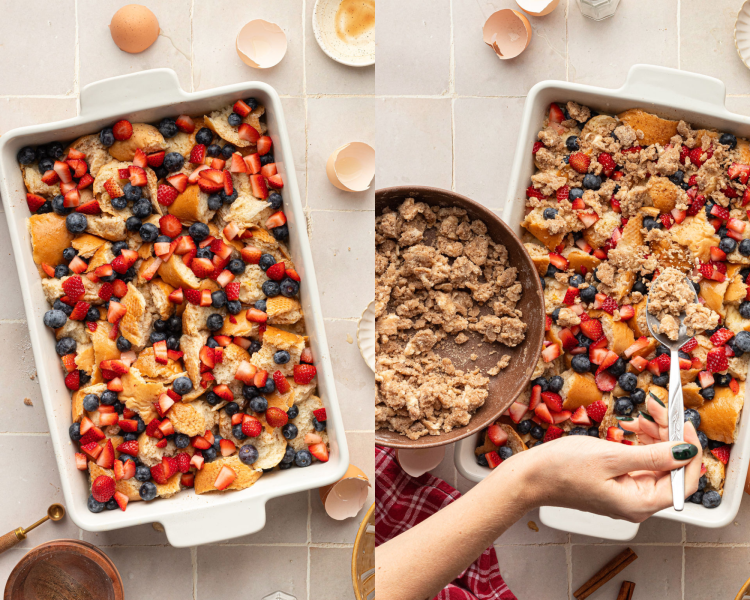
655 129
579 389
206 477
720 416
49 237
145 136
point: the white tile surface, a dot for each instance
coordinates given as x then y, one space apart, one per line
39 59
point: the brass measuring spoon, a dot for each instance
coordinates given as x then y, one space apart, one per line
10 539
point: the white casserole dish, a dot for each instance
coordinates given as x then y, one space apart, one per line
188 519
669 93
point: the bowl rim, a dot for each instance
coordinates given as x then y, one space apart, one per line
328 52
476 424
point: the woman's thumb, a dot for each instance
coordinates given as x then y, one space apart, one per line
664 456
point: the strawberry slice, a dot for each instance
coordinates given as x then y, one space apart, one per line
304 374
553 401
259 187
276 272
185 123
241 108
137 176
579 162
122 130
517 411
581 417
721 453
103 488
252 161
552 433
605 381
551 352
319 451
282 385
559 261
250 254
179 181
596 410
74 288
197 154
716 360
249 133
79 311
225 478
721 337
493 459
264 145
156 159
34 202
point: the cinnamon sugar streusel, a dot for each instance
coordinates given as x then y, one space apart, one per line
671 295
436 270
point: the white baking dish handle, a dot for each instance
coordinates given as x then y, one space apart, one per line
653 84
125 93
231 520
583 523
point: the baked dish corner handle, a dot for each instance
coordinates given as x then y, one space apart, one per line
654 83
583 523
121 94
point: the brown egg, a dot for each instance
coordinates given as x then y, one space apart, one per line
134 28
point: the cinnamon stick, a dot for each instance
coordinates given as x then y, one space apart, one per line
607 572
626 591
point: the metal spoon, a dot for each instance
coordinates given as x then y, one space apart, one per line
55 512
675 408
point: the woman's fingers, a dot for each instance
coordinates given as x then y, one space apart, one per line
693 469
649 427
658 411
664 456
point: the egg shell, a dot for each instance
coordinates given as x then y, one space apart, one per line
134 28
419 461
538 8
349 494
261 44
507 32
351 167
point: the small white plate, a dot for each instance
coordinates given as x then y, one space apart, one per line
366 335
358 53
742 33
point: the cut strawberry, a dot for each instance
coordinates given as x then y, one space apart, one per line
493 459
592 329
51 177
160 352
122 130
81 462
626 312
197 154
277 219
605 381
248 132
570 296
559 261
63 171
80 311
130 448
185 123
581 417
225 478
615 434
721 337
552 433
252 161
551 352
106 458
268 170
640 344
282 385
259 187
579 162
721 454
227 447
34 202
319 451
156 159
202 267
553 401
115 311
536 397
517 411
251 255
103 488
304 374
74 288
170 225
543 414
264 145
276 417
179 181
716 360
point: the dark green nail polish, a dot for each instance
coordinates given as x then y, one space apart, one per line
655 397
624 418
648 417
684 451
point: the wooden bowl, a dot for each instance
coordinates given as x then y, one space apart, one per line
363 558
505 387
64 570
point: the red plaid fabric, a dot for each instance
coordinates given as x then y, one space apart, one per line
401 502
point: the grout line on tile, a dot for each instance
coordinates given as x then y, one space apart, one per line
12 321
682 578
569 564
194 563
24 433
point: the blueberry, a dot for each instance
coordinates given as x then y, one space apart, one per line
227 151
696 498
142 209
588 294
148 232
482 460
661 349
638 396
205 253
252 103
745 307
721 379
182 385
198 231
157 337
148 489
212 398
84 378
173 342
111 504
593 431
95 506
728 245
583 340
234 307
46 164
578 431
271 288
318 425
580 363
74 431
234 119
173 161
259 404
266 159
65 345
248 454
575 280
661 380
536 432
26 155
237 431
745 247
292 412
541 382
209 454
288 457
289 431
218 298
266 261
168 127
109 397
549 213
92 314
62 271
722 231
269 388
204 136
694 417
571 143
677 177
728 140
55 150
623 406
118 247
575 193
212 343
214 202
703 439
711 499
255 345
742 341
281 232
555 314
142 473
129 275
556 383
628 381
174 324
281 357
215 322
231 408
55 318
275 200
213 150
505 452
303 458
133 224
60 305
58 206
44 208
524 426
160 326
713 444
236 266
289 287
228 199
650 223
617 369
76 222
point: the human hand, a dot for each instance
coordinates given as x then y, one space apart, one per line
616 480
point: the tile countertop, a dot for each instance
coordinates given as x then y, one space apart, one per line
65 45
448 112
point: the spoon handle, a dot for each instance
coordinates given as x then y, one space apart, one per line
9 540
676 427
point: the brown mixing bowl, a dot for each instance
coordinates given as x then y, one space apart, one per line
510 382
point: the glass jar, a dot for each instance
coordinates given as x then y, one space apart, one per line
598 9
